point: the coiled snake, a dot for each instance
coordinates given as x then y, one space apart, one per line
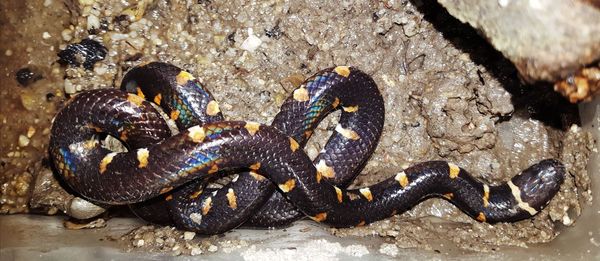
162 176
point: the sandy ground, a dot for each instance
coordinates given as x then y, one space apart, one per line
448 95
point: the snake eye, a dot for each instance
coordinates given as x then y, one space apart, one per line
131 86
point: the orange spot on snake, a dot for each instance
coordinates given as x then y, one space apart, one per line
158 99
320 217
288 185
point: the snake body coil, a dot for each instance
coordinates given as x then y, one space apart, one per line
163 176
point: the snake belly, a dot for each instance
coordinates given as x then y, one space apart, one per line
166 173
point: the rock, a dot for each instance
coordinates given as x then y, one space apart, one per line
85 53
546 40
27 76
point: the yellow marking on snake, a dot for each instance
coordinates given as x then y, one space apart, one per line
169 197
206 205
123 135
352 196
325 170
360 224
231 198
212 108
366 192
158 98
256 176
454 170
343 71
481 217
140 93
522 204
449 195
213 169
255 166
137 100
174 114
183 77
196 194
90 144
106 160
350 108
196 133
347 133
340 195
165 190
94 127
486 195
308 133
142 157
301 94
252 127
320 217
288 185
402 179
336 102
294 144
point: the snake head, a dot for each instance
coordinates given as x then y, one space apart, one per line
539 183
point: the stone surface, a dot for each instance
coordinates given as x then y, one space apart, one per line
546 40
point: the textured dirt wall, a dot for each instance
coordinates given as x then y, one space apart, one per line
448 94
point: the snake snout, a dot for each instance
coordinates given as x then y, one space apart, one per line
540 182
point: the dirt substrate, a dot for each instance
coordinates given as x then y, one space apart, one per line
448 95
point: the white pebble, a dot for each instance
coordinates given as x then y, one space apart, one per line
46 35
93 22
47 3
23 141
69 88
139 243
188 235
566 220
252 42
196 251
8 52
212 248
66 34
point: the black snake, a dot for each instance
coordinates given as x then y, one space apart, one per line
163 176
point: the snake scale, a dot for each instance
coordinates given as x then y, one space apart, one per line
163 174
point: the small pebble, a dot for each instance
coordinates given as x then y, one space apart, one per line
252 42
30 131
23 141
69 88
213 248
188 235
93 22
46 35
139 243
196 251
67 34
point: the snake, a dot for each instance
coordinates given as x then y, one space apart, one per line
164 171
